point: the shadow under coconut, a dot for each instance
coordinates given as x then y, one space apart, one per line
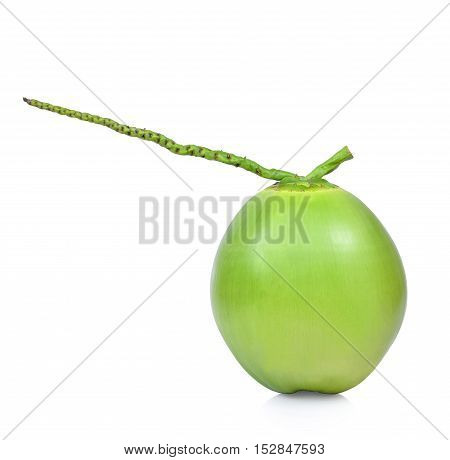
307 404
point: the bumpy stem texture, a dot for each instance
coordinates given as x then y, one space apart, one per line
163 141
198 151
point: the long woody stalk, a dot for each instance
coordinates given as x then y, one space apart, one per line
196 150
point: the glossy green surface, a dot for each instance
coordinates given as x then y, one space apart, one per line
312 312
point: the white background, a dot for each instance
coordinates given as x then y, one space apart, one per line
255 78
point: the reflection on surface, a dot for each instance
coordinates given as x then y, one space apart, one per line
308 405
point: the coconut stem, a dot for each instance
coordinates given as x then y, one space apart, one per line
331 164
196 150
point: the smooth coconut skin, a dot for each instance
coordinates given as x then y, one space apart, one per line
311 307
316 314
